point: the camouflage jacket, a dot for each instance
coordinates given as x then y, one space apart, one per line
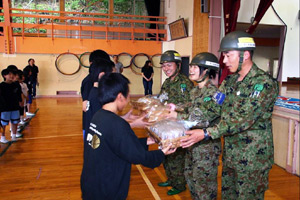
202 107
178 89
246 120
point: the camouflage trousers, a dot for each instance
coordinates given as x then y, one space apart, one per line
174 168
244 185
201 169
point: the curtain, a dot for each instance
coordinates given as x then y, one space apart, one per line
261 10
230 10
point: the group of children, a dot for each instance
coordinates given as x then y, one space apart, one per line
110 145
15 101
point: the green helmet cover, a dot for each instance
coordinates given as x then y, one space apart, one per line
170 56
237 40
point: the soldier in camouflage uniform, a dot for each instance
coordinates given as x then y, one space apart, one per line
245 121
177 87
202 159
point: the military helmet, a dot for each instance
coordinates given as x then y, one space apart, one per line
207 60
170 56
237 40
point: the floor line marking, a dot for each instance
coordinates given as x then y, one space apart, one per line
5 149
147 181
54 136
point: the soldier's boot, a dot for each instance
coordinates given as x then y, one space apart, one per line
174 191
164 184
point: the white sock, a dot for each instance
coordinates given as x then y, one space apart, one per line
13 136
2 137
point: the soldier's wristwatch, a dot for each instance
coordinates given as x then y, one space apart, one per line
206 135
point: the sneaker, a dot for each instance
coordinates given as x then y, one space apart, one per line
28 114
3 140
13 139
22 122
19 135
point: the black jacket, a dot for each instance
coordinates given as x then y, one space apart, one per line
110 149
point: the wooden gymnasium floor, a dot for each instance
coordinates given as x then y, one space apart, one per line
46 163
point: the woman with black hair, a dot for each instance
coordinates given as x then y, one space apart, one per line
33 77
202 157
147 73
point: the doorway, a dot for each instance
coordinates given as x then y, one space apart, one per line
185 65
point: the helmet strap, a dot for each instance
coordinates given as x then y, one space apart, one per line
241 61
176 71
204 77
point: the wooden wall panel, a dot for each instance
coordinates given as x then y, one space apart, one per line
200 29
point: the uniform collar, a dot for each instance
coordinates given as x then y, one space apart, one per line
253 72
177 77
207 85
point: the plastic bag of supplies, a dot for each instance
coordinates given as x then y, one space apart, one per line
145 103
152 106
155 110
169 131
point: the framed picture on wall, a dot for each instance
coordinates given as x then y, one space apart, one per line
177 29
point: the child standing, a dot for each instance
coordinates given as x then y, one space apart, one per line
111 146
24 89
87 84
11 96
98 68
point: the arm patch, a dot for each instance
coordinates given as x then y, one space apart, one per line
219 97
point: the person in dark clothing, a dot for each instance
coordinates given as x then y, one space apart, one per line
147 73
98 68
27 74
87 83
33 75
11 98
111 145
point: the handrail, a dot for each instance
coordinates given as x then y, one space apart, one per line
84 13
86 18
53 24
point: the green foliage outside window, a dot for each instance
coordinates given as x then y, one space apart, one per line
126 7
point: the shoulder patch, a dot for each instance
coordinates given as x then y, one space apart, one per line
219 97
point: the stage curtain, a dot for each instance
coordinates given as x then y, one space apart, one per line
261 10
230 10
